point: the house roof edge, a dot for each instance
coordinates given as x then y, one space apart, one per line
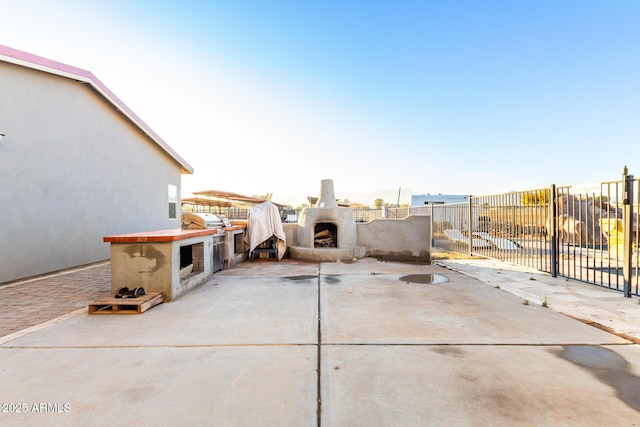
18 57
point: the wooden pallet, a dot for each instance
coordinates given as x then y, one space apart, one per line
110 305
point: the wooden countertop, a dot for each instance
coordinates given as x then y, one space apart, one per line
159 236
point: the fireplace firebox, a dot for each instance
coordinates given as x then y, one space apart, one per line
325 235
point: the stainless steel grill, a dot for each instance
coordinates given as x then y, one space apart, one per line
203 220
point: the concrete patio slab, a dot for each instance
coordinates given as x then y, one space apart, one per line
260 345
592 304
381 308
373 266
479 385
269 267
169 386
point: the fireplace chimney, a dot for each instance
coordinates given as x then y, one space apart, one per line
327 198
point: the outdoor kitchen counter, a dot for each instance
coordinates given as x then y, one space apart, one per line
159 236
168 261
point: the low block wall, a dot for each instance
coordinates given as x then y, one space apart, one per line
407 239
289 229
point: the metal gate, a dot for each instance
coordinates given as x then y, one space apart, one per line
586 234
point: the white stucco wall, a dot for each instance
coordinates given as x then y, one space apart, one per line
401 239
72 170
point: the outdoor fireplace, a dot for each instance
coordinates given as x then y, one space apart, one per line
326 232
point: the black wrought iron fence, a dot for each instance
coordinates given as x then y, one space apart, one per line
587 234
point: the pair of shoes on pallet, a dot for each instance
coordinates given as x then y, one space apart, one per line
126 293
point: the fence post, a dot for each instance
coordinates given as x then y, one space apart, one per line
470 225
433 239
553 223
627 230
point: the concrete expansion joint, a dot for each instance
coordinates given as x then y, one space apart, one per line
474 344
72 347
319 356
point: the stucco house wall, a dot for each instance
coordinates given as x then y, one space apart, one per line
73 168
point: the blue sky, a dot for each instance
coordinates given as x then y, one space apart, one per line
457 97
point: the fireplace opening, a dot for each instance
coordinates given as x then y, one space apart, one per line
325 235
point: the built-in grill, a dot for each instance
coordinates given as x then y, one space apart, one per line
202 220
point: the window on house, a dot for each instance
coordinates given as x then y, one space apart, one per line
173 201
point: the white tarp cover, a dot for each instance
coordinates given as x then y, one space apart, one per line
263 222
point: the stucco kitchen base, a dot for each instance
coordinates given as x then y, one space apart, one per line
151 260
